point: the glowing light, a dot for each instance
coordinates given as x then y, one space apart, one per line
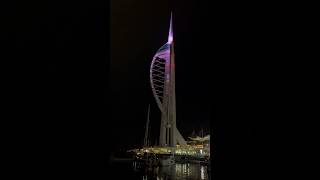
170 38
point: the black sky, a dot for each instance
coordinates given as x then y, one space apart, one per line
76 85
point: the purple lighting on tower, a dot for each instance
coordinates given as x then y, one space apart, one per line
170 38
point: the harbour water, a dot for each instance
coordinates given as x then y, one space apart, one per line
179 171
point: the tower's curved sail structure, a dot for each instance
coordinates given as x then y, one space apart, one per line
162 78
157 74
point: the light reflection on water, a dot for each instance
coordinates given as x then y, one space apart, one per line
184 171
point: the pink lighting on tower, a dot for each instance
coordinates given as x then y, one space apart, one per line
170 38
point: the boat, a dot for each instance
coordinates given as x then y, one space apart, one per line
145 157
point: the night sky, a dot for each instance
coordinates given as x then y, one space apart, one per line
138 30
78 82
82 73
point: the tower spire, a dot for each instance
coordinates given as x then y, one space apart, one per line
170 37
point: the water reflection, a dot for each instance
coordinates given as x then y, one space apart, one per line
202 172
184 171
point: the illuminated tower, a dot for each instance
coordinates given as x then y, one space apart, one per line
162 77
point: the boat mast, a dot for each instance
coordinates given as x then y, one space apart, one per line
147 128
